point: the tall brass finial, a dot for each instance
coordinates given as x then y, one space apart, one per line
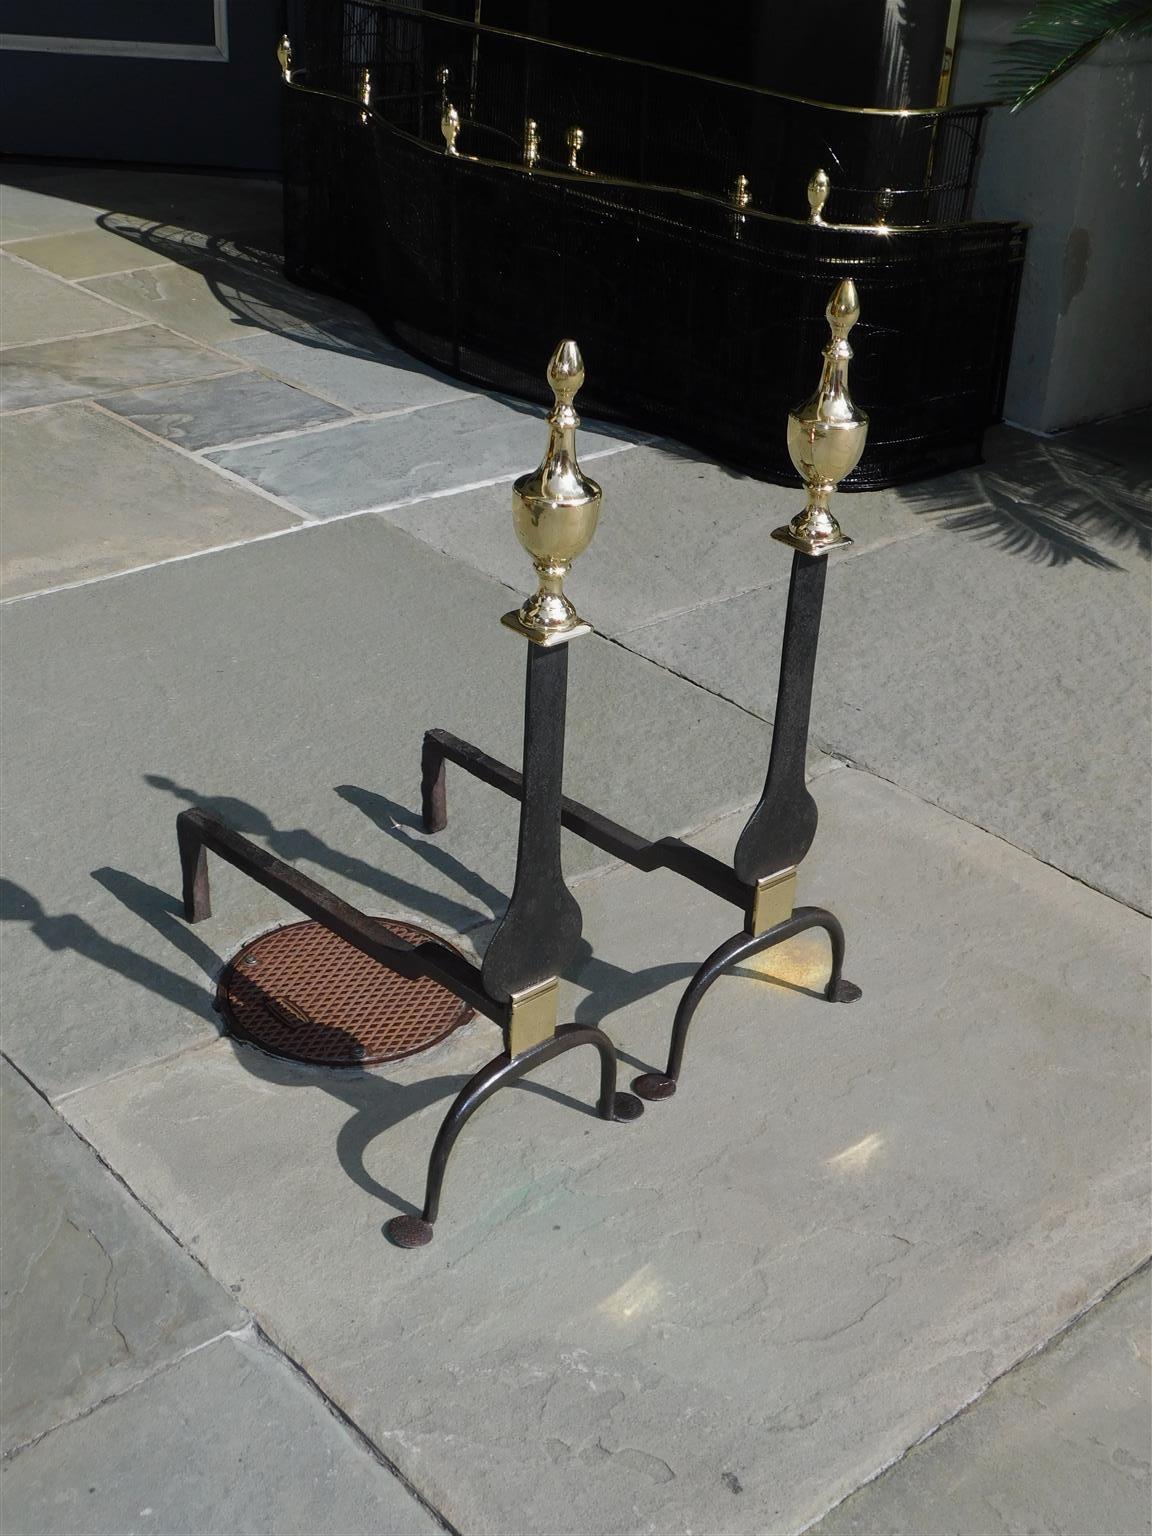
826 434
450 127
531 142
555 510
818 190
365 93
284 56
575 142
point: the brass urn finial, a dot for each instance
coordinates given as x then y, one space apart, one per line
575 143
818 190
555 510
450 127
531 142
284 57
826 434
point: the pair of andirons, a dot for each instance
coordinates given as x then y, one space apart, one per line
516 984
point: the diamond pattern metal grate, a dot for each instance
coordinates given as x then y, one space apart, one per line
303 993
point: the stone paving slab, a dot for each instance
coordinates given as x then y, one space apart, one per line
677 531
1005 690
289 684
95 1296
29 209
219 296
229 1442
396 458
85 495
728 1315
91 365
38 307
357 369
88 253
1059 1445
222 410
44 200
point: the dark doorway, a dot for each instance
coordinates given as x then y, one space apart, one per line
188 82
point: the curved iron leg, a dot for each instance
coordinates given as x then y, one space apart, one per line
415 1231
662 1085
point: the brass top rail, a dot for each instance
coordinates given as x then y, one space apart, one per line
410 14
588 180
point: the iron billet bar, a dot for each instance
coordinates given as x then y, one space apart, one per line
667 853
198 830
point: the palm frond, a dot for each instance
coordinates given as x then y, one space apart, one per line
1056 35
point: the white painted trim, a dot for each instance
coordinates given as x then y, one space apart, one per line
215 52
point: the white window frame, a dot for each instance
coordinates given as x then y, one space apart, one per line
215 52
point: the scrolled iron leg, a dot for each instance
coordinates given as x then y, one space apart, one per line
415 1231
741 946
193 868
433 785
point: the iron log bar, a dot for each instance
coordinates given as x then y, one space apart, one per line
198 830
667 853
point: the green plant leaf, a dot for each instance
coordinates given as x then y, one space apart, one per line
1057 34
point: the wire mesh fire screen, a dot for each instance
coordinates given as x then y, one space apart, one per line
481 193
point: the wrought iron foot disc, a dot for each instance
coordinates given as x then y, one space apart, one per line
626 1107
408 1231
303 993
654 1086
843 992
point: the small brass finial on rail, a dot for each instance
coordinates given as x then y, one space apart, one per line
741 199
826 434
284 58
575 143
365 93
818 190
531 143
450 128
555 510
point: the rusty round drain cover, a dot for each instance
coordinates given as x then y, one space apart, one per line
302 992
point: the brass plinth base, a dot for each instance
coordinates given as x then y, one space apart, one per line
544 637
810 546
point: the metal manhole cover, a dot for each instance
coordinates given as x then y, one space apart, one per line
302 992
